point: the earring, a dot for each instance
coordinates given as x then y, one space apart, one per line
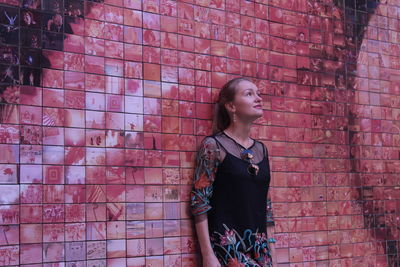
234 117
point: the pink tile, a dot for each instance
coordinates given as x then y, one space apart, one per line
30 253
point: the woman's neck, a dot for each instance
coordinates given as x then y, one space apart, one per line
240 132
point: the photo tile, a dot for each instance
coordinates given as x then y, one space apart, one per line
31 38
30 19
9 34
9 15
31 57
53 40
9 74
9 55
31 4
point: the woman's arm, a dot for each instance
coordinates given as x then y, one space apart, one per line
207 253
201 224
206 166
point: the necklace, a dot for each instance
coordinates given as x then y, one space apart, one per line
247 154
236 141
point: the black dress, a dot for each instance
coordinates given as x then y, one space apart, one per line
235 200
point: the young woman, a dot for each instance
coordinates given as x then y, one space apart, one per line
231 182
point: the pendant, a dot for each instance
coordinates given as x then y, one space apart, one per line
253 169
247 154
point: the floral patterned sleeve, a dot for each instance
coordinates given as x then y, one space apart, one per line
204 175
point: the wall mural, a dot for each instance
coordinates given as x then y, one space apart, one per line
102 104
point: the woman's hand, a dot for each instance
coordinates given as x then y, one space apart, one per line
210 260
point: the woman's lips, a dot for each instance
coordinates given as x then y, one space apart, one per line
258 106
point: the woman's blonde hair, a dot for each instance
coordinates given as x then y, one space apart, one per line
221 119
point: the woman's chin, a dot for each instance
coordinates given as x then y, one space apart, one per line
257 115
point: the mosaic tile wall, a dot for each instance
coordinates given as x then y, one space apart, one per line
103 104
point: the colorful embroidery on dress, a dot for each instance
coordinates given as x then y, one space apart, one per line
251 250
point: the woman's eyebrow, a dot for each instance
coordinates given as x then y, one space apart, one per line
258 91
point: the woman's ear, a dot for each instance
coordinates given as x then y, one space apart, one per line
230 107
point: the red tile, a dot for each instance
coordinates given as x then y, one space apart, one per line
151 72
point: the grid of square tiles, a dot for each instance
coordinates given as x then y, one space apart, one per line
103 103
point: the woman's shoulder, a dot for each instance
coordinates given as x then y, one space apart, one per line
211 146
212 138
209 141
259 142
263 146
208 150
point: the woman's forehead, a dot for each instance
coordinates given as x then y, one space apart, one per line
244 85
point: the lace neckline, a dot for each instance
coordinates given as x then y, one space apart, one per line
254 141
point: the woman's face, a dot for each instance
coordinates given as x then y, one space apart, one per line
248 102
